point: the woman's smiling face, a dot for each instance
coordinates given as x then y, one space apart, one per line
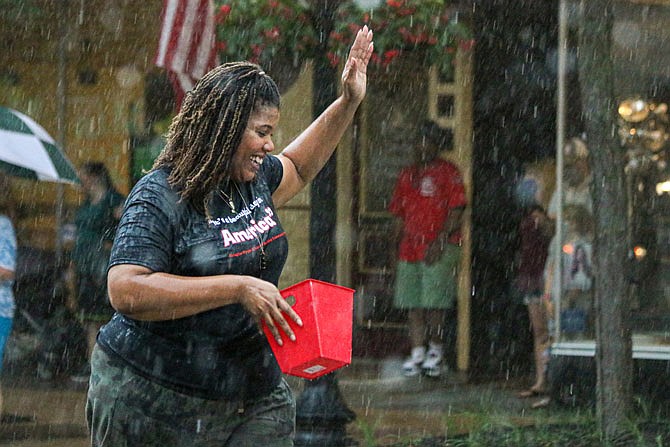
255 145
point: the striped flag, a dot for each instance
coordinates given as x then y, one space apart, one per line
187 42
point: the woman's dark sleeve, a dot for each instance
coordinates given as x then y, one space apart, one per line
273 172
145 234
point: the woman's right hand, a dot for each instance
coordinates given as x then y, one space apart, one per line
264 302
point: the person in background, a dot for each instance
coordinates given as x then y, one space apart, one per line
8 250
575 256
576 178
575 198
428 202
535 232
95 222
195 266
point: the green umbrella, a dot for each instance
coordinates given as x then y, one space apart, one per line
27 150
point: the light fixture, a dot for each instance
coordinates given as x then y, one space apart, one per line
639 252
633 110
644 131
663 188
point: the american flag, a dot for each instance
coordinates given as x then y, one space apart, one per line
187 42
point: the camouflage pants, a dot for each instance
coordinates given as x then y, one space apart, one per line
125 409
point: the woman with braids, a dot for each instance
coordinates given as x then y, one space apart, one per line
195 265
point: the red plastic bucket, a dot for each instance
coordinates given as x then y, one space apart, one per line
323 343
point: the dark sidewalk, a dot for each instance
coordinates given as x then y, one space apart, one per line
389 408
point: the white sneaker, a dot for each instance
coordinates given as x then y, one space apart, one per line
432 366
412 366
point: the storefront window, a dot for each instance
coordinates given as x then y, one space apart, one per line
641 60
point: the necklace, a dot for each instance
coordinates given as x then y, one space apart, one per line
264 262
229 199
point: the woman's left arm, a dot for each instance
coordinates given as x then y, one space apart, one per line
304 157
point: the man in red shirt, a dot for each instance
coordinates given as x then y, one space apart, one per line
428 201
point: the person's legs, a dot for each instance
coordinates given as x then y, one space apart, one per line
269 422
82 374
439 293
417 327
408 297
435 325
5 330
417 334
94 311
538 321
125 409
432 365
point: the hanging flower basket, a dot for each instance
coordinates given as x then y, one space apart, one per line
274 34
279 34
428 31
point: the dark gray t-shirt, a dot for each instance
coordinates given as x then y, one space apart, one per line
216 354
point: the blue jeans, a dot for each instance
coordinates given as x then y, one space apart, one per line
5 330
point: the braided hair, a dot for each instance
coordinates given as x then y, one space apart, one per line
208 129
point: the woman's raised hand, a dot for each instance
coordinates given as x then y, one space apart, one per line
354 75
264 302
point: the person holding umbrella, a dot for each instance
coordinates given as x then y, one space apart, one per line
7 269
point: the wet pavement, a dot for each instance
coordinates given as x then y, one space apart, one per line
389 408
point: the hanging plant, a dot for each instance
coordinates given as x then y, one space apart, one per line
276 34
267 31
423 28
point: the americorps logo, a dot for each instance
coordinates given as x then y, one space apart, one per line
253 230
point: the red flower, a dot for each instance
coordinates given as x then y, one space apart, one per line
395 3
408 37
273 3
222 14
338 37
333 58
467 44
389 56
256 50
273 33
221 45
